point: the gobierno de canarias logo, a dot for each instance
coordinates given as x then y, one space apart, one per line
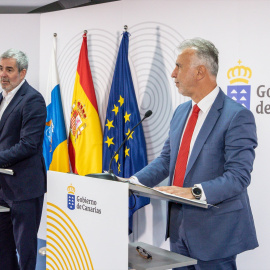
239 89
71 197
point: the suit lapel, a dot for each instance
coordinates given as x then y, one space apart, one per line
12 105
206 129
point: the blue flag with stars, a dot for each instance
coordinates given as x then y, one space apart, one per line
122 115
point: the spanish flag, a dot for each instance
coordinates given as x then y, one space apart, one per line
85 136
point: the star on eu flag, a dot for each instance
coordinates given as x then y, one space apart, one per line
127 117
127 151
115 110
130 136
109 141
119 167
116 158
109 124
121 101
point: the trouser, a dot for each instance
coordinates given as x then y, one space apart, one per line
179 244
18 231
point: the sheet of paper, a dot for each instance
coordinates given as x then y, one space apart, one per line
172 195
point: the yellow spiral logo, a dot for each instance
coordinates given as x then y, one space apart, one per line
66 249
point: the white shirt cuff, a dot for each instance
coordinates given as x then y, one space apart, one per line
134 180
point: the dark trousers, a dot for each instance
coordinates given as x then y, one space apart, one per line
18 231
179 244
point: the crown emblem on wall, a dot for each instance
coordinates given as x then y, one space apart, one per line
71 189
239 74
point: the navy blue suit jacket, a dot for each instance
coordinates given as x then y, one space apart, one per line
221 160
21 137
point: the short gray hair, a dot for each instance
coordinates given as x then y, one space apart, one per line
205 51
20 57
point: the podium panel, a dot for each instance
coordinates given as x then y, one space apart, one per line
87 223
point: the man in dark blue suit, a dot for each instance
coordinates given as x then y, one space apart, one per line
217 168
22 123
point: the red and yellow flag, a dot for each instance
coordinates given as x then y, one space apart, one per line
85 136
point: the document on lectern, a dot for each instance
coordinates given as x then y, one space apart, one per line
145 191
6 171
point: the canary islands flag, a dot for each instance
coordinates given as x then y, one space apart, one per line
55 150
85 136
122 115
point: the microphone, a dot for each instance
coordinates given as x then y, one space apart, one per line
147 114
110 175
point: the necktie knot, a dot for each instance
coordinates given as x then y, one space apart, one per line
196 109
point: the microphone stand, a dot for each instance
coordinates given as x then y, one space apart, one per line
110 175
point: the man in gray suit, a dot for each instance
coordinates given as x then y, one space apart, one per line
208 156
22 123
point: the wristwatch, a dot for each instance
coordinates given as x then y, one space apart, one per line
196 192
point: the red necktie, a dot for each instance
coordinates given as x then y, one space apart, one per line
181 162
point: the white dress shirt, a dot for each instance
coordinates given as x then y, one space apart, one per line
205 105
7 97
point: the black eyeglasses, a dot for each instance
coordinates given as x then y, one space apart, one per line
143 253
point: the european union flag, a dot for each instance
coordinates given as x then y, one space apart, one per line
122 115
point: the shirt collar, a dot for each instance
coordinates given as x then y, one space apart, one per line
14 91
208 100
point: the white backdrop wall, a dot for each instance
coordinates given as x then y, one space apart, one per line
238 28
22 32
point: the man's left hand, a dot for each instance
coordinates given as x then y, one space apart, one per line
178 191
